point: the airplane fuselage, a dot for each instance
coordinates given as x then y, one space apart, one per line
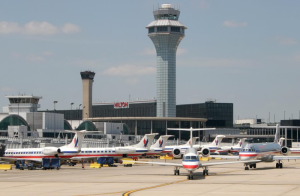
260 151
36 154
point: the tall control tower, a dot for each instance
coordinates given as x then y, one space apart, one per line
87 87
166 32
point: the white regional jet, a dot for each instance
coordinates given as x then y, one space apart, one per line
264 152
159 145
37 154
190 160
232 149
128 151
178 151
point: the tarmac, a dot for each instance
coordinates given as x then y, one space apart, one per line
148 180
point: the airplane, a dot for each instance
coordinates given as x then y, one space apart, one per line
178 151
264 152
190 160
37 154
159 145
233 149
127 151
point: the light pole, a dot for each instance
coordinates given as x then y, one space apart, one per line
79 115
71 114
54 102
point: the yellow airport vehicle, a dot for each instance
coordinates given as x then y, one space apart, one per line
95 165
165 157
5 167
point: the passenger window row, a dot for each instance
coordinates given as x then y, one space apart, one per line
23 152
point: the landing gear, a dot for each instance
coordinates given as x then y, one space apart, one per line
246 168
205 172
176 171
279 165
253 165
190 176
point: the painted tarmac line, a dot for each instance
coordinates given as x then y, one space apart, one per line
151 187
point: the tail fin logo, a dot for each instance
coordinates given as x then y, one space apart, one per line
240 143
161 143
145 142
76 142
190 142
217 142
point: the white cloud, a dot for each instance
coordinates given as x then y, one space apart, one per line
70 28
35 58
37 28
181 51
232 23
286 40
9 27
47 53
129 70
148 51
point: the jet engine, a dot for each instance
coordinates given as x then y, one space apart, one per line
51 151
285 151
205 152
176 152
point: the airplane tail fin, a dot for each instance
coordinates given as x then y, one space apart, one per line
77 140
280 142
191 141
217 140
146 141
276 139
241 143
161 142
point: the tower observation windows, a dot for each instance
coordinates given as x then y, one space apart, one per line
151 30
175 29
166 16
162 29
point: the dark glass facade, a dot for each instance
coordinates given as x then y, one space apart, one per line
217 114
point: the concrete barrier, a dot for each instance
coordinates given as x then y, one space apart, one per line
5 167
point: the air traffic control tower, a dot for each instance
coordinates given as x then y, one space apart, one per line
166 32
87 87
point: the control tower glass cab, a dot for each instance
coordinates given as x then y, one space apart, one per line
166 32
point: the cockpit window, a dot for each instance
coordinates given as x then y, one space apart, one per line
193 157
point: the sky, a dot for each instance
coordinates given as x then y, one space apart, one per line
241 52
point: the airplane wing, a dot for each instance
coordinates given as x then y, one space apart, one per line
224 163
224 157
276 158
160 163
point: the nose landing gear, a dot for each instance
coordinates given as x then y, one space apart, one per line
176 171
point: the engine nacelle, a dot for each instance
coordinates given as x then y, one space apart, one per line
51 151
176 152
285 151
205 152
125 150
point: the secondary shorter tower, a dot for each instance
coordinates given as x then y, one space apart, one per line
87 87
166 32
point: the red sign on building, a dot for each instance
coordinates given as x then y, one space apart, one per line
121 105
